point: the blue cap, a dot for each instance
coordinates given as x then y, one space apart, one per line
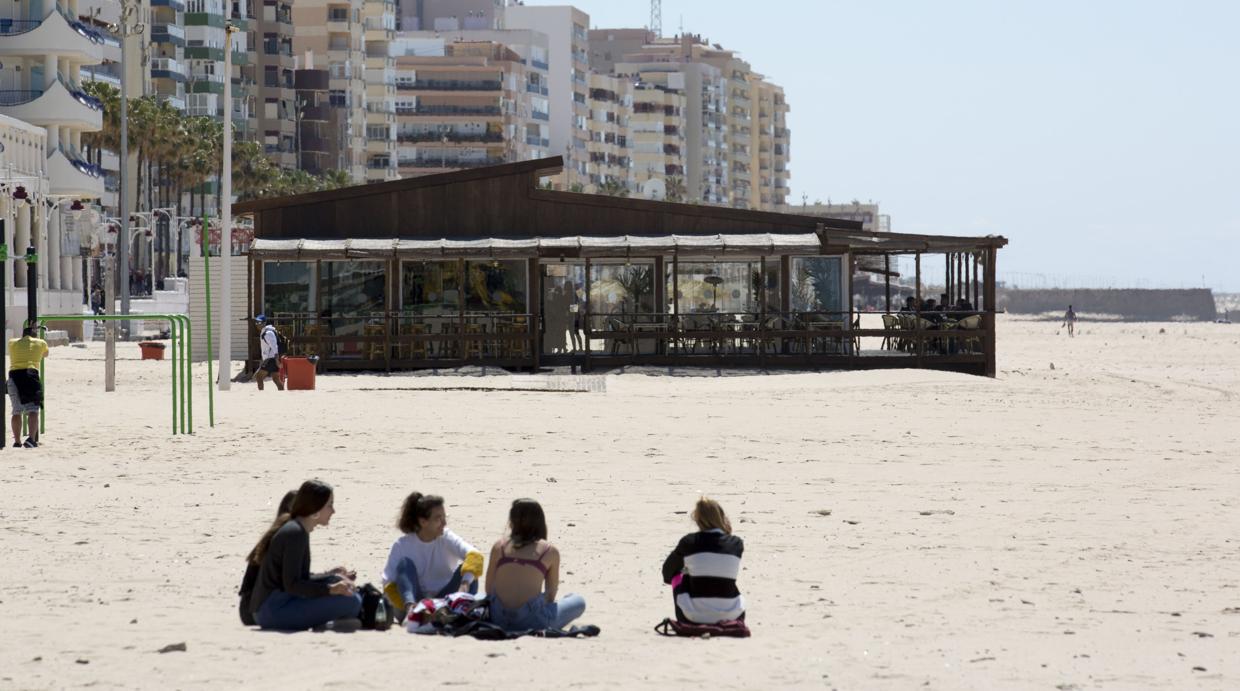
261 318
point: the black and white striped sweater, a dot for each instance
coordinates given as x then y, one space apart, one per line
709 561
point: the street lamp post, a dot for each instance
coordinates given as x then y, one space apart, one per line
128 25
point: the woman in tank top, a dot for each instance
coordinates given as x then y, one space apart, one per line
523 576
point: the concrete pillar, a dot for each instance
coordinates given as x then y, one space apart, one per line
52 245
53 138
39 221
21 239
10 225
50 67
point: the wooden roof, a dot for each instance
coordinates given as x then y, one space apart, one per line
505 202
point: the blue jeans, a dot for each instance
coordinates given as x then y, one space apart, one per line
537 614
411 590
286 612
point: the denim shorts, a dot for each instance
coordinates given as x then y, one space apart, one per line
536 614
15 402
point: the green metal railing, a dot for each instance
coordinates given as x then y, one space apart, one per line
181 332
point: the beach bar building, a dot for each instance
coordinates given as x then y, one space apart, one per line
485 266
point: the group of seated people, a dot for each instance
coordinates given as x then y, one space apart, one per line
522 579
939 310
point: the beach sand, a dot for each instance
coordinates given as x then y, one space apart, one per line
1072 527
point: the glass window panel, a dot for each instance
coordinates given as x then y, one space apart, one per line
728 287
286 287
816 284
621 289
353 287
496 286
431 287
773 303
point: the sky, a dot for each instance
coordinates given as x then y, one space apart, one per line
1101 137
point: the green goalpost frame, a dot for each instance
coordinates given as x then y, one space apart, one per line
181 331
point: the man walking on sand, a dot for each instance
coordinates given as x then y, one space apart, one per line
269 348
1069 320
25 388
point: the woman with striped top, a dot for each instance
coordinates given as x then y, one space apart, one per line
702 569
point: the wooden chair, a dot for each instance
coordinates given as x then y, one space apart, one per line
374 349
473 347
413 349
890 323
974 340
309 346
619 335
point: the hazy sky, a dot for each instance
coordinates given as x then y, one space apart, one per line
1102 138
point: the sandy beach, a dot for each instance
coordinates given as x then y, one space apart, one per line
1059 527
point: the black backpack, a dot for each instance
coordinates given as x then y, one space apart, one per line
377 611
281 342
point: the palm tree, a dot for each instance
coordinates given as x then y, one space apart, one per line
613 188
334 179
675 189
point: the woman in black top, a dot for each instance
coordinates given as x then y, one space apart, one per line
251 569
286 596
702 570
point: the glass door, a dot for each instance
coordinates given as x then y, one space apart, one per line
563 296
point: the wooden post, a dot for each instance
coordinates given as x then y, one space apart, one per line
917 307
947 275
463 282
887 279
586 319
989 316
977 305
533 301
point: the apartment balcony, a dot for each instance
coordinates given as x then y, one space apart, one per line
436 163
31 38
450 110
175 5
539 115
540 65
63 105
168 33
71 175
167 68
453 137
449 85
536 89
537 141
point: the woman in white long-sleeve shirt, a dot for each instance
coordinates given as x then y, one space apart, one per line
428 560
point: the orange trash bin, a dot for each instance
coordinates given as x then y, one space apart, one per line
152 350
300 373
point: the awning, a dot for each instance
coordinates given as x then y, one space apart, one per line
620 246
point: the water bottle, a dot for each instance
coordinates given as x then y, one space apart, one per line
382 620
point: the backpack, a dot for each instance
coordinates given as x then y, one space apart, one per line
377 611
732 628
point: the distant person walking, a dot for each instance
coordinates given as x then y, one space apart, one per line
1069 320
269 350
25 387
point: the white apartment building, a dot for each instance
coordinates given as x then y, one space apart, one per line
568 68
379 19
35 216
43 48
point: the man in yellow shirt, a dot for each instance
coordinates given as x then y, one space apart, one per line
25 388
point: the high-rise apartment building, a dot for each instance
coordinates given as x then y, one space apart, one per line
463 105
330 34
379 19
736 139
569 63
657 140
205 22
167 61
609 163
448 15
272 69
